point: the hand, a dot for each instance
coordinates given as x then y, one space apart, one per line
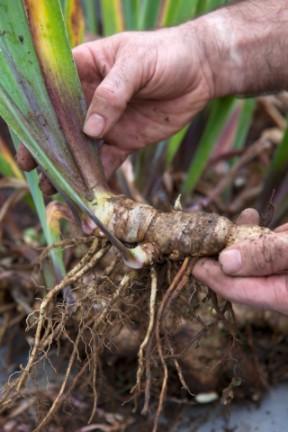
142 87
252 273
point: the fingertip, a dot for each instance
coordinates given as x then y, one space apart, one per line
94 125
230 261
282 228
209 272
249 216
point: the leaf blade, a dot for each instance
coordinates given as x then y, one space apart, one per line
220 110
75 23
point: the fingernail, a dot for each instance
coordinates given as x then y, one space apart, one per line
231 261
94 125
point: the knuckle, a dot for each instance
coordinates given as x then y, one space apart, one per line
111 96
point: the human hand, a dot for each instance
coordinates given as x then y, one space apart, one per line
251 272
142 87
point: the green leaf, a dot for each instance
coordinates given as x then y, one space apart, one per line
34 86
173 145
131 10
213 4
112 16
220 111
149 13
277 172
90 12
244 123
175 12
56 255
205 6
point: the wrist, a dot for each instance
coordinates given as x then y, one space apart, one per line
219 46
245 47
198 56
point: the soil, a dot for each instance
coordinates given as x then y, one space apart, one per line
120 348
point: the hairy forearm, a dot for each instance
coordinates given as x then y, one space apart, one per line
246 47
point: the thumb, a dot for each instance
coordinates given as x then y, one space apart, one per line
111 98
262 257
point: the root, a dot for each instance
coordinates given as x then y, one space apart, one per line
94 383
149 331
122 286
163 387
148 378
58 398
102 312
176 286
179 371
87 262
92 362
63 244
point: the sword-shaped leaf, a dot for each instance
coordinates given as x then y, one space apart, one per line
39 79
112 16
91 13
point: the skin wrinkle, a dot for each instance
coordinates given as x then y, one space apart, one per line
231 49
203 56
245 291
